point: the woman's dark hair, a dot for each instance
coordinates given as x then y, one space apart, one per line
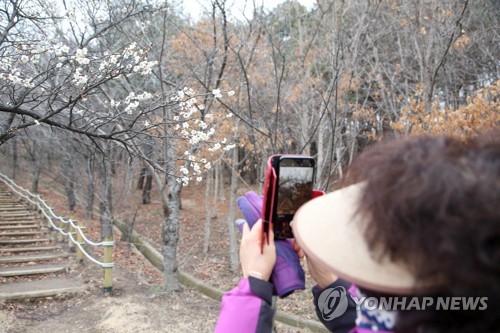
434 205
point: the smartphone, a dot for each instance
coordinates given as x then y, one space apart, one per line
288 185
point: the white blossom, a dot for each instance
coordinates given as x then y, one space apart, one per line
60 49
80 79
229 147
28 84
24 59
131 107
81 56
216 147
114 104
113 59
202 125
217 93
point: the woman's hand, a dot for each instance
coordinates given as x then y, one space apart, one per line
321 274
253 262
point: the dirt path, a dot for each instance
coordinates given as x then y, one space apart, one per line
136 305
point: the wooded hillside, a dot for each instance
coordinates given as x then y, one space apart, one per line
132 89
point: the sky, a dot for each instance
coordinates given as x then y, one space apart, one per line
236 7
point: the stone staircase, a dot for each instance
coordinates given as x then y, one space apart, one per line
32 262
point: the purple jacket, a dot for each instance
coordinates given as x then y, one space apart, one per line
247 309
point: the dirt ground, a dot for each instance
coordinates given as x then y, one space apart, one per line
132 308
137 303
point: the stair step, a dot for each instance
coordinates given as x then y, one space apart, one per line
15 213
18 214
16 222
44 288
17 217
12 208
28 249
32 257
20 233
22 241
31 270
15 227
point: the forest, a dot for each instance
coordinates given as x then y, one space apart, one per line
112 96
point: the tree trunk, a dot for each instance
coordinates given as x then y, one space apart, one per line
233 250
208 211
90 187
106 207
253 169
146 191
222 193
69 184
128 180
14 157
171 235
36 174
140 181
319 157
216 189
339 157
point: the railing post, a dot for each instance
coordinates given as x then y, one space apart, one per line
71 231
108 259
79 239
62 226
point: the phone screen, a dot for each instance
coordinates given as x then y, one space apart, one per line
295 185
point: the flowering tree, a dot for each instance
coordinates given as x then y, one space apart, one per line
86 69
47 77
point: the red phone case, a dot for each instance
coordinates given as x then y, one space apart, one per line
267 209
268 202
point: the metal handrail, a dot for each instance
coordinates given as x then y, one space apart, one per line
44 208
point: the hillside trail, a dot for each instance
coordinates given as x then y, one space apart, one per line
137 303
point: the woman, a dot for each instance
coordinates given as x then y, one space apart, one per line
419 221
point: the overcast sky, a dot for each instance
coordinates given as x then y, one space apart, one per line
236 7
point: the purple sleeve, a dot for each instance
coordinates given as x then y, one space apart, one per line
247 308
